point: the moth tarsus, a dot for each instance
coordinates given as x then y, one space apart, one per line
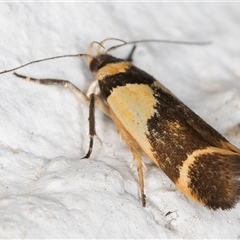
152 121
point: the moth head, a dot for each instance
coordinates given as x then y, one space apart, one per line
100 59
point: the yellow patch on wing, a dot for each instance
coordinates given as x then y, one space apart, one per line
112 69
133 105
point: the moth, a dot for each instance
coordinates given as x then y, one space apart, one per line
154 122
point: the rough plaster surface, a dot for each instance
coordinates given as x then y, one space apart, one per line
46 189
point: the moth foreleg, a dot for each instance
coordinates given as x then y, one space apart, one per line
91 99
49 81
65 83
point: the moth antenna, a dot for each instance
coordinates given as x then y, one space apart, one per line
160 41
114 39
90 50
45 59
110 39
100 44
107 39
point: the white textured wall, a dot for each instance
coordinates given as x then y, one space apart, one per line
46 189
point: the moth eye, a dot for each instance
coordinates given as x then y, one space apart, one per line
93 64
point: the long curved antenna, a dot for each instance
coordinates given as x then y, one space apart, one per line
90 50
109 39
160 41
45 59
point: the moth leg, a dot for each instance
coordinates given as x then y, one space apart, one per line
90 99
137 155
65 83
91 119
129 57
140 179
94 95
143 164
140 165
136 152
99 102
